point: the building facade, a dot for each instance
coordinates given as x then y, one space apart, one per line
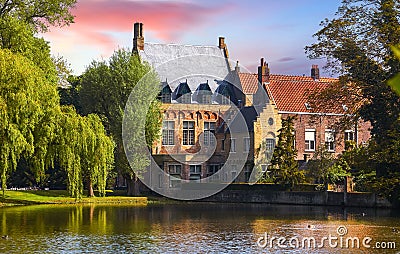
216 116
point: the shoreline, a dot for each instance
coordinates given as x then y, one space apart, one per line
60 197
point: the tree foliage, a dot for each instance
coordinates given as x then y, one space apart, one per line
34 129
326 169
284 167
104 89
87 155
40 14
357 44
360 45
19 37
27 100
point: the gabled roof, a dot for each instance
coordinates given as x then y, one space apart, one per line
165 89
249 82
181 90
289 92
178 63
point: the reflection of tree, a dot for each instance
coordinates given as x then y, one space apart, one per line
75 219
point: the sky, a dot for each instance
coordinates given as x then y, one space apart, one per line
275 30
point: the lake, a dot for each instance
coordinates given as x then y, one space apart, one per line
197 228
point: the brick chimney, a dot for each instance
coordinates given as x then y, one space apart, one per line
222 45
315 72
263 72
138 38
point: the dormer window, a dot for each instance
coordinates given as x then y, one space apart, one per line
203 94
308 106
183 94
223 94
165 93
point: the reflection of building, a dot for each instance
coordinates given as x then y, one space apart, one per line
214 112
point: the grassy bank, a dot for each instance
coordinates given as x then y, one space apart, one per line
61 197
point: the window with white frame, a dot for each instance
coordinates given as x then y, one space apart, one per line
310 140
188 132
168 133
195 172
330 140
186 98
175 176
246 144
165 97
269 145
294 139
349 135
233 145
209 130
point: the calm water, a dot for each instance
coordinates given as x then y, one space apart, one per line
188 228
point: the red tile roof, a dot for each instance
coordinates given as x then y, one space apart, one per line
289 92
249 82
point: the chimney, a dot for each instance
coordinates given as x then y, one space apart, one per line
138 38
315 72
263 72
221 43
237 68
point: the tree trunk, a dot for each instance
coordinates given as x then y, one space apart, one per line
133 186
90 189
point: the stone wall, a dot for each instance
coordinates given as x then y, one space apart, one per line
249 195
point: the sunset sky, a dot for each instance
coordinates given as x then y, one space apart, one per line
275 30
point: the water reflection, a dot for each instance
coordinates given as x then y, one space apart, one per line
192 227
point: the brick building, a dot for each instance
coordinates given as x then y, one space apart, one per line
211 124
216 117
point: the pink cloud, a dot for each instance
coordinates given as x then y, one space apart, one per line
94 18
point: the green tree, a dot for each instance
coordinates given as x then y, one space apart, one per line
34 129
105 89
27 100
284 167
326 169
357 44
19 37
40 14
87 156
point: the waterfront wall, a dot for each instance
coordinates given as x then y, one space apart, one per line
248 194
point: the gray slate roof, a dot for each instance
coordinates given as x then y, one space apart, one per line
196 64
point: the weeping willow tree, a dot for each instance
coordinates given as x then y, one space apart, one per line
84 151
98 156
26 99
34 126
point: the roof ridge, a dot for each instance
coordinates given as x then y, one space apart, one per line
185 45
